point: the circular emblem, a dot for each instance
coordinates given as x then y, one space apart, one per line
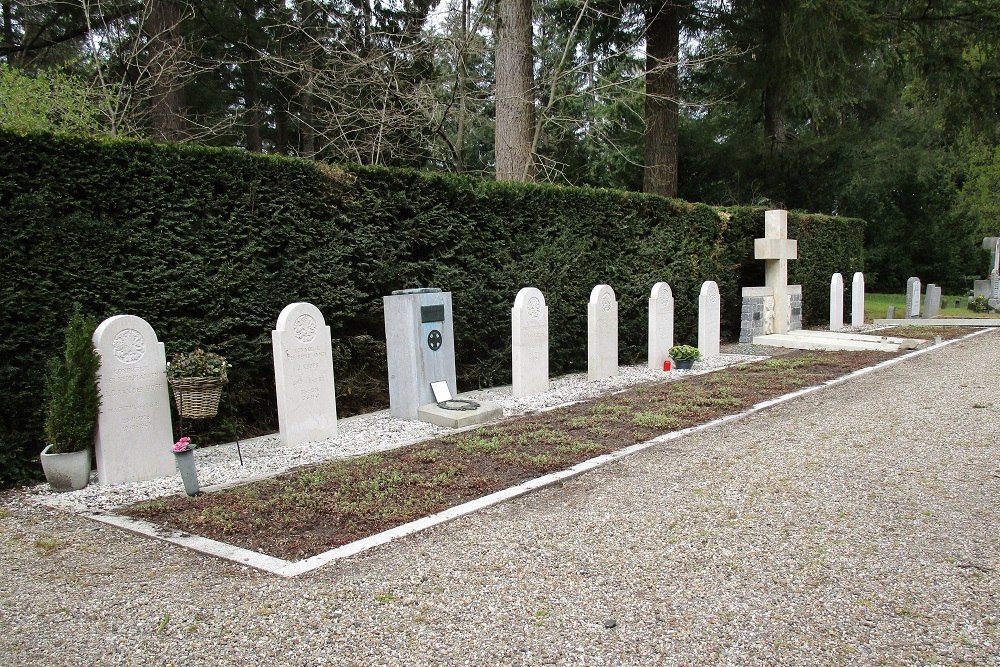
606 302
434 340
129 346
304 327
534 307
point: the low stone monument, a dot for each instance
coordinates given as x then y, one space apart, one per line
529 343
709 319
776 307
420 354
134 429
602 333
913 297
661 325
303 375
932 301
858 300
836 302
420 347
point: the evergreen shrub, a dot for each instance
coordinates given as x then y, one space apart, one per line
208 245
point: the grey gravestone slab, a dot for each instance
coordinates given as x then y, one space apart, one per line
913 291
858 299
420 349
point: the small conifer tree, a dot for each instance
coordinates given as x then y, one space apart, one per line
71 389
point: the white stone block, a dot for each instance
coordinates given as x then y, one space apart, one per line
661 325
709 319
303 375
529 343
134 429
913 290
836 302
602 333
858 299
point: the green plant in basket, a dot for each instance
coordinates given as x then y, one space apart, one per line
197 364
684 353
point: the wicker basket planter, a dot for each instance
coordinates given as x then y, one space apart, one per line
196 398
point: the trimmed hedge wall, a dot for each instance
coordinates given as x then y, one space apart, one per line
209 245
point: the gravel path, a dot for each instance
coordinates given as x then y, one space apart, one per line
857 525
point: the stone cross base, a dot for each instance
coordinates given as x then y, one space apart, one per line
757 313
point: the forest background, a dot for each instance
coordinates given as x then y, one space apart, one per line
886 111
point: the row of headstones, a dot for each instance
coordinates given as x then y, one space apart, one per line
932 301
837 301
134 430
530 333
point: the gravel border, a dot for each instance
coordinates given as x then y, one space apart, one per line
264 456
853 526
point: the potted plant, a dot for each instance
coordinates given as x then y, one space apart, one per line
196 380
684 356
183 451
72 407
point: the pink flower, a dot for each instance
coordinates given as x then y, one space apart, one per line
182 445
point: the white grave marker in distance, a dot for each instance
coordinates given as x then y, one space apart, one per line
709 319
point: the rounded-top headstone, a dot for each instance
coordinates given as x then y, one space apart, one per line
303 375
602 333
134 429
529 343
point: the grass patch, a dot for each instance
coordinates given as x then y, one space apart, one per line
876 306
316 508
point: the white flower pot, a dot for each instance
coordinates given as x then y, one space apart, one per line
66 472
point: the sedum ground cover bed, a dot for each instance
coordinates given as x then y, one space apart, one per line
312 509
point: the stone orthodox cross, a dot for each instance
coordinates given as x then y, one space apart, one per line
776 249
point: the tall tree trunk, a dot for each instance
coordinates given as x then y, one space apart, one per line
775 95
251 98
165 62
662 52
515 95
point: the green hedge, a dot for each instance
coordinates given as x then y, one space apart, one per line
209 245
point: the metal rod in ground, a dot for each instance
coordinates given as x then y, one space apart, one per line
238 451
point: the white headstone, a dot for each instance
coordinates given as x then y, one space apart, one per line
602 333
303 375
836 302
913 297
134 430
661 325
709 319
776 249
932 302
529 320
858 300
